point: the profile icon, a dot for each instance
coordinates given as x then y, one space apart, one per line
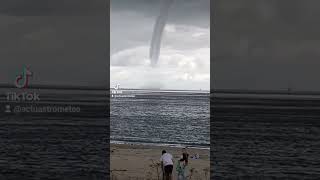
8 109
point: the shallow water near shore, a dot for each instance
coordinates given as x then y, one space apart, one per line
175 119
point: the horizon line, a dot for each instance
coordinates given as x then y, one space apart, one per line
212 90
81 87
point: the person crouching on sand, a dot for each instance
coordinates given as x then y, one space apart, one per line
167 165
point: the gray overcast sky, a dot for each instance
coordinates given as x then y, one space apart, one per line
63 41
184 61
266 44
259 44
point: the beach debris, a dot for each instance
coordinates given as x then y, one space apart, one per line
113 150
195 156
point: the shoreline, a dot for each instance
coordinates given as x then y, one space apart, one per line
117 142
141 161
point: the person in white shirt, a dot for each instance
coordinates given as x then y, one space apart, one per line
167 165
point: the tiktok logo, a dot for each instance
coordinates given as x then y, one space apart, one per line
22 80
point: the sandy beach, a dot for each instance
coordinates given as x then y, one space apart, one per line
140 162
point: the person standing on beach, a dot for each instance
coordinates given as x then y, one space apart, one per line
167 164
185 156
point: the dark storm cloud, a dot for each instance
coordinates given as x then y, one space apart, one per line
64 42
196 12
266 44
134 18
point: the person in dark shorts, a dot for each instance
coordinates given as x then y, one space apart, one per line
167 165
185 156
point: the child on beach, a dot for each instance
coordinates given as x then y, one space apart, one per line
181 170
182 165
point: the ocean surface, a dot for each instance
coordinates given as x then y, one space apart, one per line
163 118
69 145
265 137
